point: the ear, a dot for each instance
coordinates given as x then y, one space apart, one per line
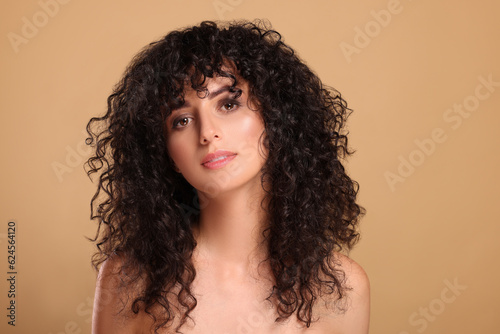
174 166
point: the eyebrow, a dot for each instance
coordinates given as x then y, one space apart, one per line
210 96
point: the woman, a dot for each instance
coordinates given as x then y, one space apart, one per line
222 201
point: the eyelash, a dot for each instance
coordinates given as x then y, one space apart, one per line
175 125
234 102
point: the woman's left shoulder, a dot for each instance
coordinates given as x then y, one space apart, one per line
356 278
354 317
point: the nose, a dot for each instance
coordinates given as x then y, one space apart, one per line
209 130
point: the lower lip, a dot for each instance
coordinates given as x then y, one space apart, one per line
219 163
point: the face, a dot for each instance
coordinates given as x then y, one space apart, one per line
215 139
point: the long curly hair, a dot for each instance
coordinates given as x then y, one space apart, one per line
146 210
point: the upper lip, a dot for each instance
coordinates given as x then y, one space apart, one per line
219 153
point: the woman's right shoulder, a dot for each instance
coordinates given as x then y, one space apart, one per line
114 295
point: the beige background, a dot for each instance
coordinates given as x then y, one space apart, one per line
436 224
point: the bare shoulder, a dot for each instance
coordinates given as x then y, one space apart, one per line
355 317
113 300
356 277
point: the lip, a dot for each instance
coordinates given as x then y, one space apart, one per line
218 159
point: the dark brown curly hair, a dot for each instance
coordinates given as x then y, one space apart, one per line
146 210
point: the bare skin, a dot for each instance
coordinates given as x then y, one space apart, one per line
230 302
231 282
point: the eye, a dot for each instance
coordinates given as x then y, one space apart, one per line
181 122
230 105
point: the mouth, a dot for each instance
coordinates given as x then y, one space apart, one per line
218 159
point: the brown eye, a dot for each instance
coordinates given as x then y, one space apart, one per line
230 105
183 121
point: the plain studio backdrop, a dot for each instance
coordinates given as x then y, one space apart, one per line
423 78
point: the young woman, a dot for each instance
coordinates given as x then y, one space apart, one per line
222 202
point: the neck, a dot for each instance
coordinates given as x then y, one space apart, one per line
230 228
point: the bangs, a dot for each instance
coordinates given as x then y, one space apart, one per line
194 76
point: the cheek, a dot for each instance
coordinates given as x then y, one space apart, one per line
247 140
177 151
248 130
